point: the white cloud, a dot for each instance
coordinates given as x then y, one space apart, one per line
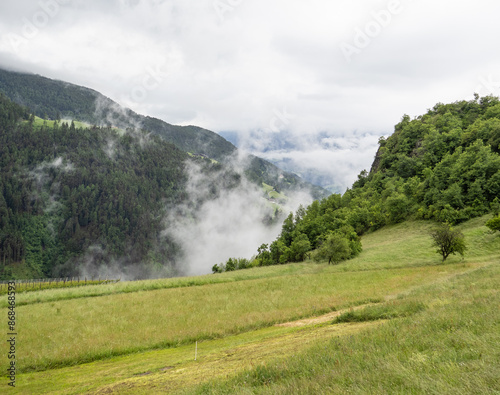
331 161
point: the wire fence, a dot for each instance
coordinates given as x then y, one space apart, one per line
47 283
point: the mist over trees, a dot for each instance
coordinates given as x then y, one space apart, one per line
56 100
74 200
94 200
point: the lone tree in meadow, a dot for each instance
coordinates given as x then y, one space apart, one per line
335 248
448 240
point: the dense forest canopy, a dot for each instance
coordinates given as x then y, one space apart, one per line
442 166
52 99
64 190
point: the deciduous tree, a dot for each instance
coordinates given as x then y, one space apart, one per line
448 240
335 248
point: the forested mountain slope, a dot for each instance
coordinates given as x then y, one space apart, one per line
73 198
442 166
54 99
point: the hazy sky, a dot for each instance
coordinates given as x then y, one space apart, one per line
350 68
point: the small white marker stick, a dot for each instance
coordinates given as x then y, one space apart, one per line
196 350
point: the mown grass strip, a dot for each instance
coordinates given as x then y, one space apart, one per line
48 284
123 287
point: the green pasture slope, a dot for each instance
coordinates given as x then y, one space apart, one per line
39 122
394 320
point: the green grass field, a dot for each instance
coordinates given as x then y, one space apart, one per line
39 122
272 194
393 320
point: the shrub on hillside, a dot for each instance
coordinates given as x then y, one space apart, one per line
231 265
494 224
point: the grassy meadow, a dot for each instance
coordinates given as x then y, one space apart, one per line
39 122
393 320
451 346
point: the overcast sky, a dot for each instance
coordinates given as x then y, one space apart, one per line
348 68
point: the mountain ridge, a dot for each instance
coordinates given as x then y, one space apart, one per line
55 99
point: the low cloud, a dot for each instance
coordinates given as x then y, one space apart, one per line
330 160
96 264
41 176
229 224
223 74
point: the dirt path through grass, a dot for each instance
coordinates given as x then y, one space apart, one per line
334 314
322 318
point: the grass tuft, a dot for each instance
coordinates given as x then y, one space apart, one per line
387 311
